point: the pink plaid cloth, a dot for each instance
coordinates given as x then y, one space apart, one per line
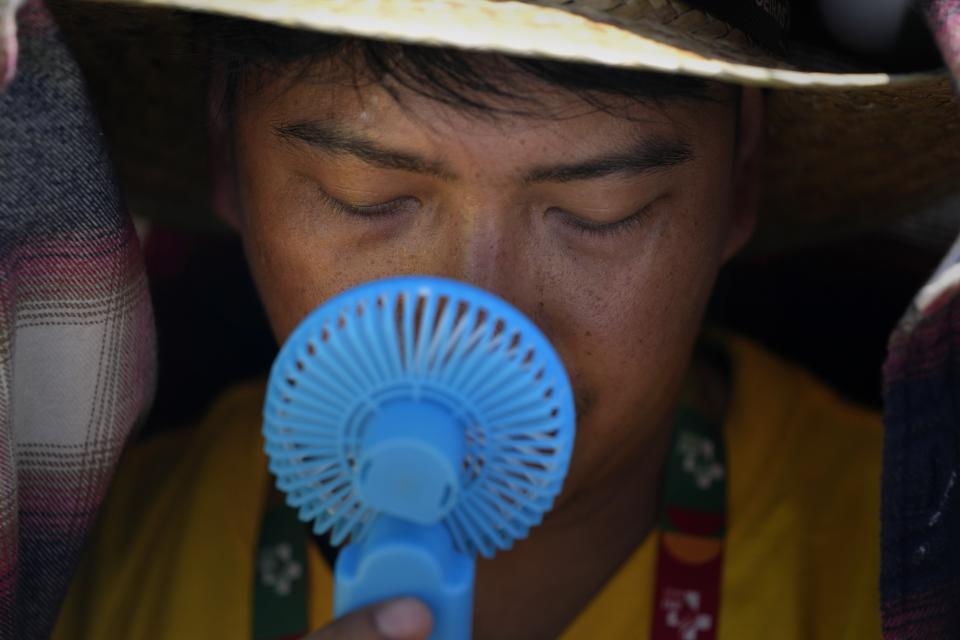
920 571
944 19
77 360
76 328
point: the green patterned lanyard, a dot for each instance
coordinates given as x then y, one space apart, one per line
689 561
280 605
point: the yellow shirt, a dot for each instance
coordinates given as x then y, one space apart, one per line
173 554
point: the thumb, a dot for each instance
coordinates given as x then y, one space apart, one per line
401 619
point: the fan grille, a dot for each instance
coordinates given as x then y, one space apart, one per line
416 338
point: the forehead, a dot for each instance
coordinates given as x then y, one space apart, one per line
482 85
493 102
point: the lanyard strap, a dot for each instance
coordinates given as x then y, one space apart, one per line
280 575
686 600
689 561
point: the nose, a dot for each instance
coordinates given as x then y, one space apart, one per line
488 244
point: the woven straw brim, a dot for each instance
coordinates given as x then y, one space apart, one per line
844 149
657 35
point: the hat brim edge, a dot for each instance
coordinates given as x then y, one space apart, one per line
523 29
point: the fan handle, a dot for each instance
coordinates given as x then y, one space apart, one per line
401 557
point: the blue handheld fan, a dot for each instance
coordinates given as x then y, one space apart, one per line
428 421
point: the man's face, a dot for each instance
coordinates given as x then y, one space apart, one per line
606 228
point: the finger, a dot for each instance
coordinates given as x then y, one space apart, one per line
401 619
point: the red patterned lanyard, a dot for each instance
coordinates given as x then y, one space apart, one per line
692 522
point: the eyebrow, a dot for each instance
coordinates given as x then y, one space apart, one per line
645 155
335 140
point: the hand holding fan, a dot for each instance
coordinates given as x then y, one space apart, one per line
428 421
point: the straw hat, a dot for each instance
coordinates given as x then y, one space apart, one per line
845 147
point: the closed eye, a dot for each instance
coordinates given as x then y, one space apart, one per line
603 229
378 210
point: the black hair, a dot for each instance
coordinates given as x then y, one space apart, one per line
245 51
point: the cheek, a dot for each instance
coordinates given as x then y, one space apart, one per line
295 270
285 263
627 339
630 340
281 271
297 261
278 259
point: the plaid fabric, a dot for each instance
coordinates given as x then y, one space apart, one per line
920 576
77 354
944 19
920 573
76 329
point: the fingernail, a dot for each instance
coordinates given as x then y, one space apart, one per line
401 619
